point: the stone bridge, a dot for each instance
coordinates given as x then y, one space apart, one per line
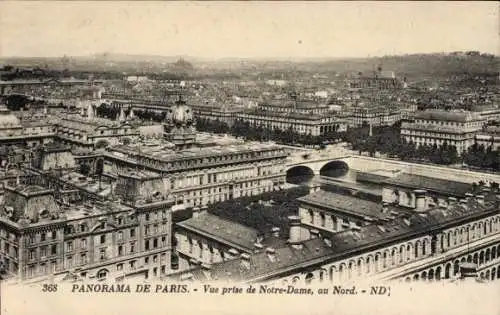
313 162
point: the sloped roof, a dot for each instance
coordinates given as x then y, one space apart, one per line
437 185
344 203
334 247
442 115
222 230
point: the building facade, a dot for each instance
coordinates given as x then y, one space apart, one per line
438 126
425 242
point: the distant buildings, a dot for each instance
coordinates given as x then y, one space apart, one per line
456 128
489 137
90 132
374 116
378 80
306 124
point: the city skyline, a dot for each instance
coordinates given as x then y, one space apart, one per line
246 30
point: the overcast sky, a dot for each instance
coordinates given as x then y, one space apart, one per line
238 29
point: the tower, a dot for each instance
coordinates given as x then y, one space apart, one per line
180 125
90 112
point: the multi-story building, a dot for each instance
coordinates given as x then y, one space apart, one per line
31 131
379 79
312 124
403 190
489 137
301 107
197 173
203 175
375 116
62 225
206 239
457 128
40 238
423 242
217 113
333 212
88 132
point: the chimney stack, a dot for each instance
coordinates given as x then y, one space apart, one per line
480 199
271 253
385 207
294 237
452 201
420 200
469 196
196 212
275 231
314 233
233 253
245 261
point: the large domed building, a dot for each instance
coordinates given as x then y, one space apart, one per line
180 126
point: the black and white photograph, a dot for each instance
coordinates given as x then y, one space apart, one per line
275 152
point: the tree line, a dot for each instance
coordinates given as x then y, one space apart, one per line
254 132
387 140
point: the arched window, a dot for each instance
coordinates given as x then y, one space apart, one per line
323 219
102 274
309 278
311 217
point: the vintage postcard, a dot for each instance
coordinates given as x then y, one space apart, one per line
230 157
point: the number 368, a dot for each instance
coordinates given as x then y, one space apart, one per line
49 288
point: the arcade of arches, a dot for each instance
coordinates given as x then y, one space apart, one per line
441 254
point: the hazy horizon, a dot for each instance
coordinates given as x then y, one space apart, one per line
246 30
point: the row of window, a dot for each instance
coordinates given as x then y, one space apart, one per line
42 237
210 160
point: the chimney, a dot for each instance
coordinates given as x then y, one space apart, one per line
420 200
385 207
314 233
480 199
258 246
294 237
271 254
233 253
245 261
196 212
452 201
469 196
275 231
204 209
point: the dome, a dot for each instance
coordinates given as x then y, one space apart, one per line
8 120
180 115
